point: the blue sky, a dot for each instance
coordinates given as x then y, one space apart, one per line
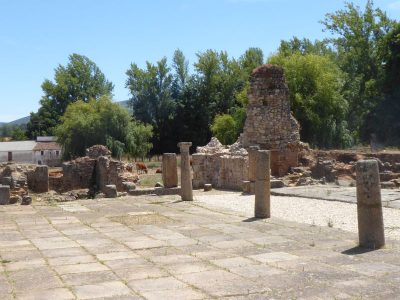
37 35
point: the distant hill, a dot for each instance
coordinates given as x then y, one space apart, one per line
25 120
21 121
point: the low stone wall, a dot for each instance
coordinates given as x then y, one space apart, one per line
78 174
91 173
221 170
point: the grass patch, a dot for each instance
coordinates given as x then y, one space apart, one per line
150 180
153 164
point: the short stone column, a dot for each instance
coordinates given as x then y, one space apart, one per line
169 170
369 205
262 207
250 185
186 177
4 194
252 151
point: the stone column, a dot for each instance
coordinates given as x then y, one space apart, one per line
262 207
186 177
252 162
369 205
169 170
4 194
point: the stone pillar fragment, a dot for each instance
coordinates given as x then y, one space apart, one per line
369 205
38 180
4 194
262 207
169 170
186 176
252 151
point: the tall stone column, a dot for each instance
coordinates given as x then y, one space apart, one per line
186 176
262 207
369 205
169 170
4 194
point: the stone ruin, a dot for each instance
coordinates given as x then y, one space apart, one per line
269 125
220 166
94 172
14 183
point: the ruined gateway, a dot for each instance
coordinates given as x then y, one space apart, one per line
269 125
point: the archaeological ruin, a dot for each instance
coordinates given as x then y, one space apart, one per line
269 125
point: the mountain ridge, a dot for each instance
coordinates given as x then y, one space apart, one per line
25 120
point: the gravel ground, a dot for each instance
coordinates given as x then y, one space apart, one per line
304 210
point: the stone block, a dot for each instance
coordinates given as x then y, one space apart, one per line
38 179
129 186
26 200
4 194
207 187
110 191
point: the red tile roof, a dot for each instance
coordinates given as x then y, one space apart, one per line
47 146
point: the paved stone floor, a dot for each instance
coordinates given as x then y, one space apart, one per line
153 247
390 197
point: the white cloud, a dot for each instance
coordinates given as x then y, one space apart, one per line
394 5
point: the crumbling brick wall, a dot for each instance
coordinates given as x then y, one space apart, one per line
269 121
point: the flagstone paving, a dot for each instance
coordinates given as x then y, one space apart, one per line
157 247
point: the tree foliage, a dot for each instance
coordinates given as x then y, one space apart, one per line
315 83
80 79
85 124
357 37
384 120
224 128
182 106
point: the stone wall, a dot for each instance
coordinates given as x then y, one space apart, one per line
38 179
78 174
91 173
219 166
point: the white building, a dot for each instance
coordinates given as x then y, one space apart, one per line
17 151
43 151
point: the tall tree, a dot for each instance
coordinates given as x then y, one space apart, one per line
384 121
152 102
357 35
80 79
315 84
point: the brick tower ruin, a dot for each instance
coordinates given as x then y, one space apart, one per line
269 122
269 125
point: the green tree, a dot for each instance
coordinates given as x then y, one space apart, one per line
305 46
384 121
18 134
151 90
85 124
80 79
224 128
357 36
315 83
